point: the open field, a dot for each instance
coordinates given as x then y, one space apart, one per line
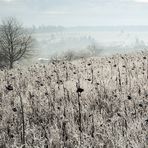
88 103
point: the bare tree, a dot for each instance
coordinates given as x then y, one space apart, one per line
15 42
94 49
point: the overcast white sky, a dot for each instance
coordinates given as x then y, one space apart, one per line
76 12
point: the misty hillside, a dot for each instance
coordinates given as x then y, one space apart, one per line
99 102
110 39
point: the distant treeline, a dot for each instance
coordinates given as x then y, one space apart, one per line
42 28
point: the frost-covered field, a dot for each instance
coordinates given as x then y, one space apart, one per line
88 103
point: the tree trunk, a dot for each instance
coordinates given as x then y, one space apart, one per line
11 65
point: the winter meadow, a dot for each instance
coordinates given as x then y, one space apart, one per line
87 103
73 74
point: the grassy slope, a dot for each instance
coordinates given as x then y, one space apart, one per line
111 111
